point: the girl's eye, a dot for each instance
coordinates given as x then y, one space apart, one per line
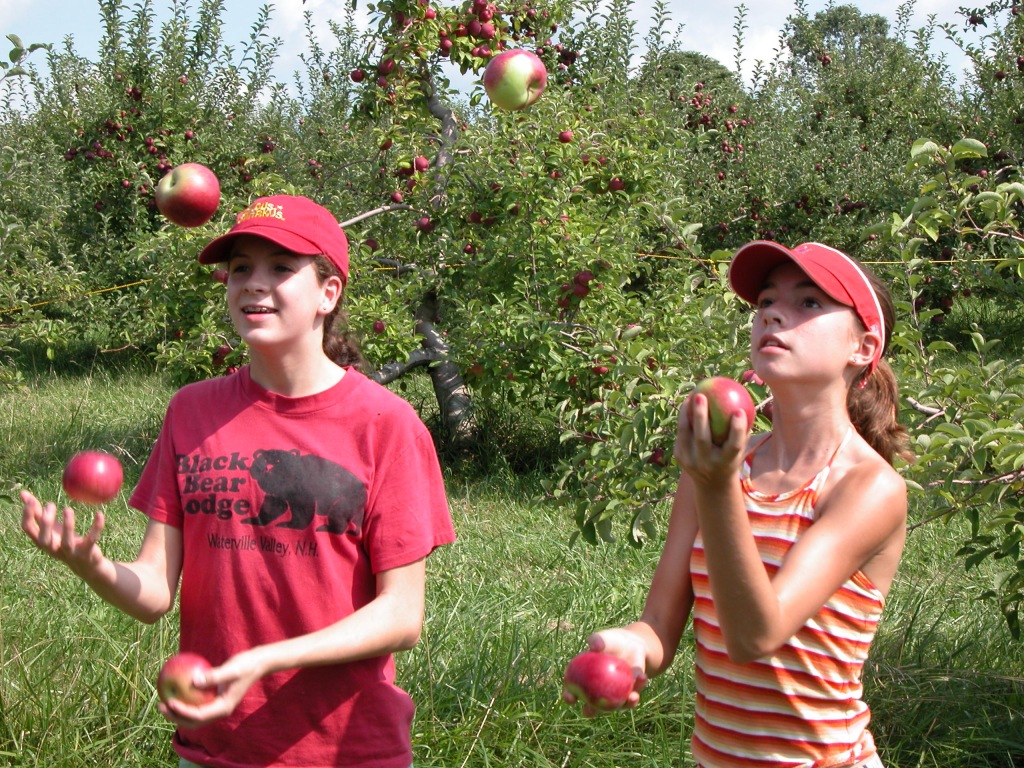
763 302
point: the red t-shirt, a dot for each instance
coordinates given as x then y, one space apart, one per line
288 508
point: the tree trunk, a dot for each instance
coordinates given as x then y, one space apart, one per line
453 397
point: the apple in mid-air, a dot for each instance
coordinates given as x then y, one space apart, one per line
188 194
177 679
601 680
92 477
725 397
515 79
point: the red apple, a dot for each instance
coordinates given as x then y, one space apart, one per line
750 377
565 137
188 195
515 79
177 680
379 326
220 275
725 397
92 477
601 680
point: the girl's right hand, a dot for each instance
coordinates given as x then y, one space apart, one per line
697 454
629 647
59 539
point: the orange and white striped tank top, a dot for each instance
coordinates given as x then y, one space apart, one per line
802 705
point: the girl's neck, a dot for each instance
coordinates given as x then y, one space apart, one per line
807 429
295 375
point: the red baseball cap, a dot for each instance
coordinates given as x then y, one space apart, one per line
295 223
831 270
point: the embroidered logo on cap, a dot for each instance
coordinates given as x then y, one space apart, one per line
261 210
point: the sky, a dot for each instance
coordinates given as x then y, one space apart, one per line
707 26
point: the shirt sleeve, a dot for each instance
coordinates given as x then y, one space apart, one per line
157 493
407 509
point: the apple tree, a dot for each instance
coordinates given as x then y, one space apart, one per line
563 263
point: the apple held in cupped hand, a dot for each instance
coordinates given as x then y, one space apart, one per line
601 680
92 477
515 79
176 681
188 194
725 397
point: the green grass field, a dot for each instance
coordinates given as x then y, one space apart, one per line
508 605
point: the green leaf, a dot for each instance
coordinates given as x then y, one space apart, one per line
929 228
969 148
923 147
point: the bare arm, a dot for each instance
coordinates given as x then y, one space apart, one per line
391 622
670 598
649 644
144 588
758 613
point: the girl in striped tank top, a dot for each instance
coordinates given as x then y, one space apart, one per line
782 547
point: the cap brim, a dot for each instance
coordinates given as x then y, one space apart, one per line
752 264
219 249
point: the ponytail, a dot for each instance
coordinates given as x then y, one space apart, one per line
874 411
339 344
874 402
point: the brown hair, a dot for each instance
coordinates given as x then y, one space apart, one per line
873 403
339 344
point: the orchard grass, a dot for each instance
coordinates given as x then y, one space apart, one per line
508 605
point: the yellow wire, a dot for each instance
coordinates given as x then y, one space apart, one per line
386 269
75 298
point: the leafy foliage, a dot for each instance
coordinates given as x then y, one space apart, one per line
564 262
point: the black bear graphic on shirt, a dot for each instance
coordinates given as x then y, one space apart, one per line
306 486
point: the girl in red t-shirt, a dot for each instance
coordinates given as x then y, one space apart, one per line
291 508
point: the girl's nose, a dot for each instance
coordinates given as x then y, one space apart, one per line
771 314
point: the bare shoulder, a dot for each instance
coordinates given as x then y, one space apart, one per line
868 499
864 478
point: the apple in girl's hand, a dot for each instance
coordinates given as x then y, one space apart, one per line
188 194
515 79
601 680
92 477
177 676
725 397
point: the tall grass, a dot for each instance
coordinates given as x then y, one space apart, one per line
508 604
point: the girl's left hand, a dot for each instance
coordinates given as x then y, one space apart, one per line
230 681
695 451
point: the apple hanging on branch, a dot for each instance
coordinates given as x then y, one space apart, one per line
92 477
515 79
176 681
188 195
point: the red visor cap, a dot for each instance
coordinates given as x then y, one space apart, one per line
830 269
